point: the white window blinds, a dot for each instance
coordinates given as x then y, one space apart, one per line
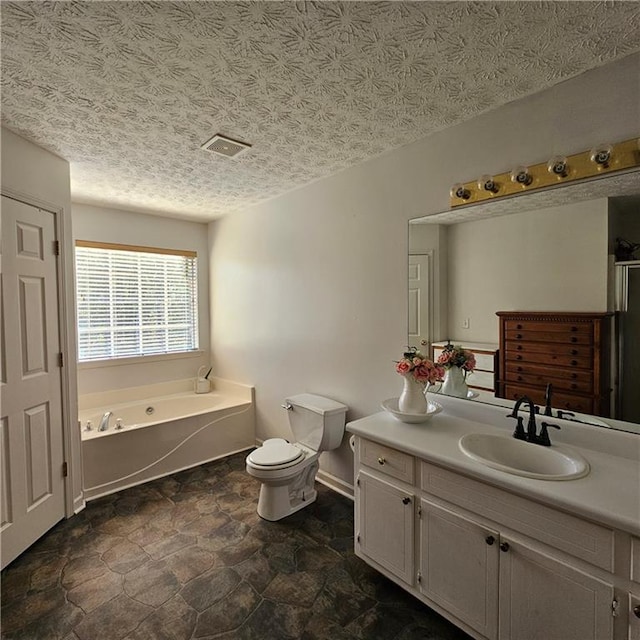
135 301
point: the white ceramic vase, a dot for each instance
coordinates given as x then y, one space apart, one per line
412 399
454 383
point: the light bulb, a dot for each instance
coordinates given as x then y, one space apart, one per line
458 190
520 175
557 166
487 183
601 155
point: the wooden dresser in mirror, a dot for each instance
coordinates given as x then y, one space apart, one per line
568 350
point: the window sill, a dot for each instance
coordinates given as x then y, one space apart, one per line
159 357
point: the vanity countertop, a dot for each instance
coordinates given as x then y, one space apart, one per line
609 494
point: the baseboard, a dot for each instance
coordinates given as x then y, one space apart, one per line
336 484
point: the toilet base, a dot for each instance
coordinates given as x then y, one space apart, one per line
279 500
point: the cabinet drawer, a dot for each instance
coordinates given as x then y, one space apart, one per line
548 336
566 401
485 362
545 373
482 379
585 540
549 359
572 328
386 460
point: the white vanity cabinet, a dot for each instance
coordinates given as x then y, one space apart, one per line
500 566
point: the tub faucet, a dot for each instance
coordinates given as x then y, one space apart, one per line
104 422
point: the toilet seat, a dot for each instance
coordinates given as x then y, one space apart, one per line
275 452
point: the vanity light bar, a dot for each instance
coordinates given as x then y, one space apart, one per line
600 160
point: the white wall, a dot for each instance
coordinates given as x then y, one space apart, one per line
41 178
309 290
525 262
126 227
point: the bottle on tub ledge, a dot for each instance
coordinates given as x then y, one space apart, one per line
202 382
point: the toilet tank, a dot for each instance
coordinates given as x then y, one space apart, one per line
317 422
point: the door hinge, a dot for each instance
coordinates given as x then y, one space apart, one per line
615 608
61 359
65 469
358 481
56 247
419 512
419 577
358 538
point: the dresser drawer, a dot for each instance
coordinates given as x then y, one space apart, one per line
553 348
386 460
514 355
585 540
564 337
549 326
564 401
542 380
544 373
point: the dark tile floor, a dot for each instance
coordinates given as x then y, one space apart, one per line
187 557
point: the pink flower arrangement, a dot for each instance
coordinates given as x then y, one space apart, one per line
420 368
456 356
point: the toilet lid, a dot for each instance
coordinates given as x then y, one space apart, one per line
275 451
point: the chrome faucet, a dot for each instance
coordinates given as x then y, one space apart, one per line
104 422
531 434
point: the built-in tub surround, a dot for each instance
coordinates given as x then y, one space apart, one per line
156 430
504 557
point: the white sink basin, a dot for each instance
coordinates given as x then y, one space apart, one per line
523 458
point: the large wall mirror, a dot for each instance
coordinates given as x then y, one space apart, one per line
552 251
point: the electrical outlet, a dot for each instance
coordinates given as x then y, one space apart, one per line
465 323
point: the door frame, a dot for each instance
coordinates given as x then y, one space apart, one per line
71 441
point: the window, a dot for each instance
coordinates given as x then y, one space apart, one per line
135 301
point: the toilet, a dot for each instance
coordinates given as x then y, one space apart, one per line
288 470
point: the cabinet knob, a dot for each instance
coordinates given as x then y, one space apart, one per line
519 347
518 336
381 460
518 357
574 363
489 540
504 546
574 339
518 326
519 378
636 611
406 500
574 352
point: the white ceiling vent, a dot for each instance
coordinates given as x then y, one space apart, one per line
225 146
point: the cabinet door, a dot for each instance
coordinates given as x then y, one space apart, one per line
459 567
385 525
542 598
634 617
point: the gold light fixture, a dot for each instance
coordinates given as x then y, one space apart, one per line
603 158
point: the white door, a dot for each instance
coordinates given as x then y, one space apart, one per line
420 308
31 440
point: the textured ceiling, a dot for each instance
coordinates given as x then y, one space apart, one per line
128 91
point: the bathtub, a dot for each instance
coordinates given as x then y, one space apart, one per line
165 429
